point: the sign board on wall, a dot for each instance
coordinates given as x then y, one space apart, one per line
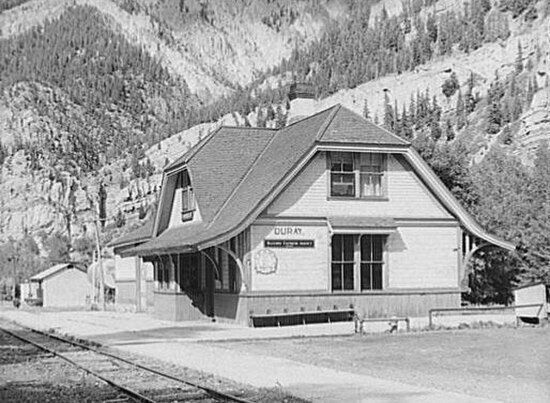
288 256
289 243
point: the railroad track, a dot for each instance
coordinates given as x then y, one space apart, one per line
137 381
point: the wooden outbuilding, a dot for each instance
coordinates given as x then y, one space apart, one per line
62 285
533 301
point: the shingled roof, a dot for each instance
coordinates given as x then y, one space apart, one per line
235 171
141 234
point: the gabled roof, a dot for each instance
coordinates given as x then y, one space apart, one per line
53 270
349 127
237 171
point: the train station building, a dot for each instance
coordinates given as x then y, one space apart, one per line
329 214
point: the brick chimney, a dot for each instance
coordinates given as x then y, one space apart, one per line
302 101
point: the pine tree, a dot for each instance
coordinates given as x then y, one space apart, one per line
449 131
261 119
366 111
519 59
450 86
494 120
388 113
460 112
435 130
406 125
280 118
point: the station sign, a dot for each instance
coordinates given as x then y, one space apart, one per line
289 243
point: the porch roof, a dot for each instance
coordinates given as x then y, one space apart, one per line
362 222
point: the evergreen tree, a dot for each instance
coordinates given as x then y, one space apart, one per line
406 125
280 118
519 59
450 86
494 119
389 119
460 112
449 130
366 111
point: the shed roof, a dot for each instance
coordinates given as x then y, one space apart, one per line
54 270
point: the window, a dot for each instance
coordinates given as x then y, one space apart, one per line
372 260
164 266
349 169
363 251
343 262
371 171
342 176
187 196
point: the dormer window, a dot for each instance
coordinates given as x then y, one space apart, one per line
187 196
356 175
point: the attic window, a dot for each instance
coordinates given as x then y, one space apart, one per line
187 196
357 175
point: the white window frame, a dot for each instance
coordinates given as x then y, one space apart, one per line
363 166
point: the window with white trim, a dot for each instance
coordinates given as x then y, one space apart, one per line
359 175
371 170
372 261
187 196
357 262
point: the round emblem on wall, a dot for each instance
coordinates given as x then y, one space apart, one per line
265 261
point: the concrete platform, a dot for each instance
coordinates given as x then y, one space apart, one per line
183 344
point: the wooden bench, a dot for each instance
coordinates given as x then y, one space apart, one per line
301 317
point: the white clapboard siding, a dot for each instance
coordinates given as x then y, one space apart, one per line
125 268
297 269
423 257
307 195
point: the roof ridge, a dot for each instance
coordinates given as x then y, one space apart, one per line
379 127
248 128
327 122
309 117
253 165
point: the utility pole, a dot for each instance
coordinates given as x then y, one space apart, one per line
101 300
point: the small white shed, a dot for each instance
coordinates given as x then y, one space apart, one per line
536 294
62 285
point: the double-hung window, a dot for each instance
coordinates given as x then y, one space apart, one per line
371 172
187 197
342 175
357 175
343 262
372 260
357 262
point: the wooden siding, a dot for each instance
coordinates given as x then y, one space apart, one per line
412 304
125 268
423 257
296 268
69 288
407 196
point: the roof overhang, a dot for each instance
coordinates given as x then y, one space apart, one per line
212 236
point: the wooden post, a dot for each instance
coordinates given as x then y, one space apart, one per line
138 283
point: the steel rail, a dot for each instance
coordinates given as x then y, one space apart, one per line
132 393
212 392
